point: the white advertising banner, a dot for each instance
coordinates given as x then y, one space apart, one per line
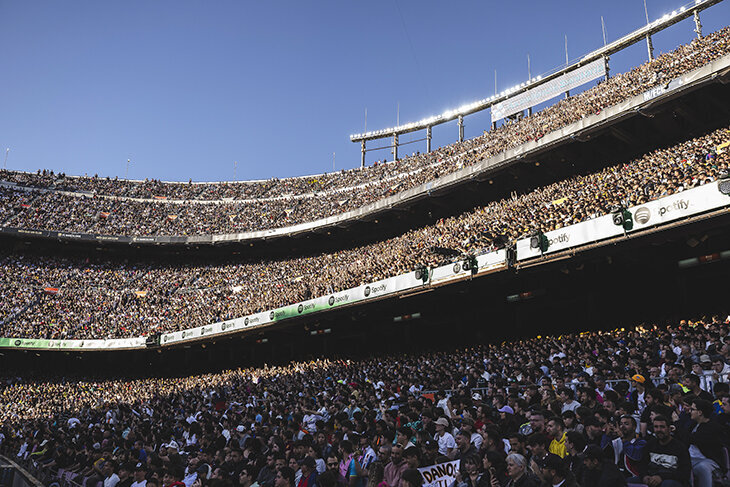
657 212
680 205
570 237
549 89
459 269
322 303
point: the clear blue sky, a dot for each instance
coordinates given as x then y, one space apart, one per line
185 88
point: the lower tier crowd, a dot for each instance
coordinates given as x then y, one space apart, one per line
645 405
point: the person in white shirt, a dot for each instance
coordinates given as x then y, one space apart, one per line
567 396
140 472
447 444
111 479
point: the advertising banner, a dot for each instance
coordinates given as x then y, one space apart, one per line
549 89
322 303
680 205
670 208
569 237
136 342
460 269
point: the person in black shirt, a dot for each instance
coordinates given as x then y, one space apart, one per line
692 382
705 449
667 462
598 471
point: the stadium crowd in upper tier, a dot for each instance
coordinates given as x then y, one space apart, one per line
252 206
106 299
598 409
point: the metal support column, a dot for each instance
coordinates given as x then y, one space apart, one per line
428 139
494 125
395 147
362 156
650 47
461 128
698 25
529 111
605 63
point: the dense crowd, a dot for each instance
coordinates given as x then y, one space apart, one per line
150 207
649 404
106 299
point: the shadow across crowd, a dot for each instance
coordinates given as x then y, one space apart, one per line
647 405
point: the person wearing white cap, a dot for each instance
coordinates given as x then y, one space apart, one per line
447 444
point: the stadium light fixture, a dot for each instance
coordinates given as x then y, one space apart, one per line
723 183
538 240
486 102
621 217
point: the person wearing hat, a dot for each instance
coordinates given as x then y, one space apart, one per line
429 453
638 395
140 474
468 425
447 444
555 472
598 471
309 472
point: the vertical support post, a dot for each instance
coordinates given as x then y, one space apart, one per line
698 25
567 93
649 47
428 139
529 111
362 155
461 128
395 147
605 63
494 125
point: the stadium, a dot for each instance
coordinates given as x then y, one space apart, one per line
544 303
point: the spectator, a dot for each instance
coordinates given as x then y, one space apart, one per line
705 448
446 442
556 430
667 461
554 472
394 470
519 475
600 472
